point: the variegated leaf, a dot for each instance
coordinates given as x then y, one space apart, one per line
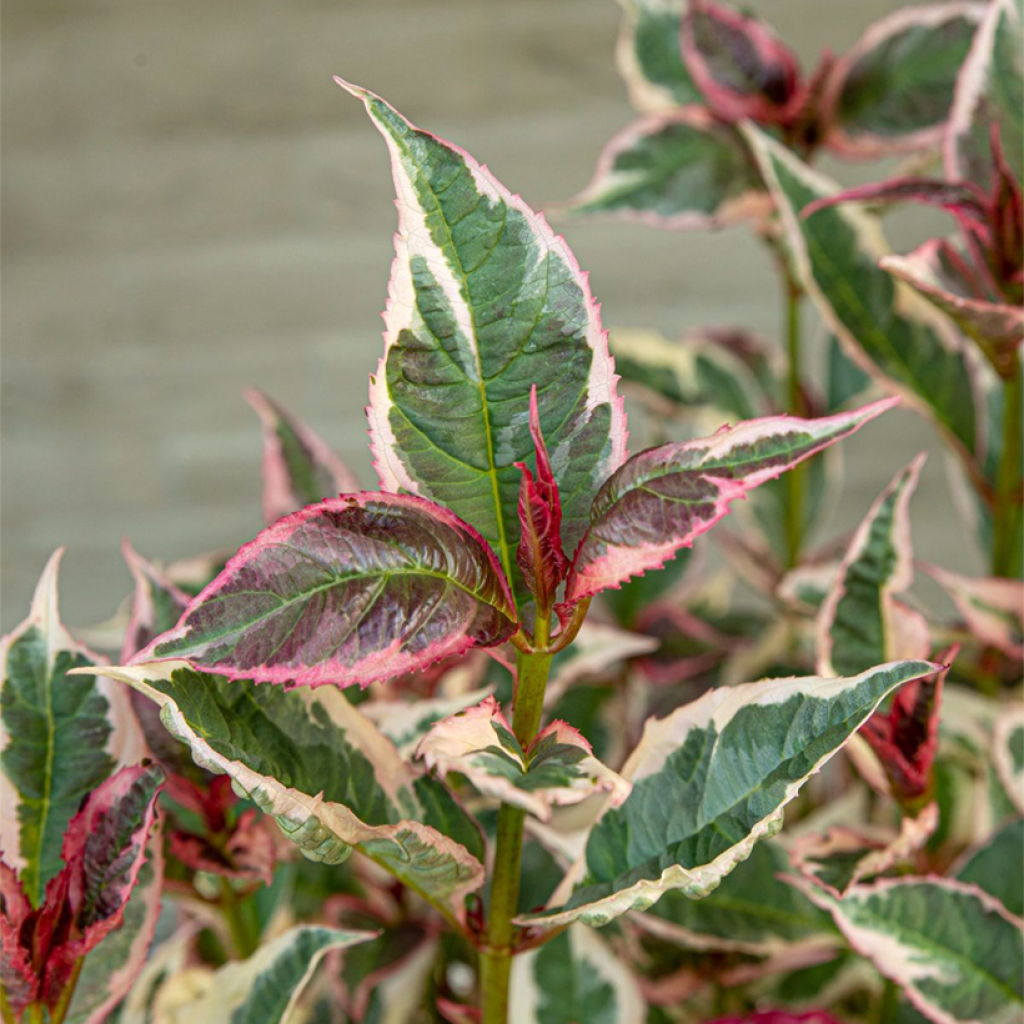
992 607
952 949
709 781
157 603
261 990
299 468
575 977
662 499
860 623
1008 753
557 769
892 91
997 866
885 326
753 911
649 57
485 303
332 781
598 650
60 737
682 170
844 856
987 99
352 590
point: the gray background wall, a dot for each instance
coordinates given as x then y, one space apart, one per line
190 206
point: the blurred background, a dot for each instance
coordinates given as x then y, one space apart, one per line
191 206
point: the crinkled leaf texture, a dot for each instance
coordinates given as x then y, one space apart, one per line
60 737
298 466
884 325
709 781
575 977
485 303
662 499
352 590
261 990
860 623
558 768
953 950
332 781
682 170
893 89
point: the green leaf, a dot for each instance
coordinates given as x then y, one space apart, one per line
575 977
315 763
752 911
558 768
650 58
988 97
860 623
883 324
846 382
485 302
893 89
681 170
709 781
61 736
998 866
1008 753
954 951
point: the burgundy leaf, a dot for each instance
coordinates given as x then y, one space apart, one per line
906 737
540 557
18 977
351 590
740 65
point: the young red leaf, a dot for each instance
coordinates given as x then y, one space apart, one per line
299 468
351 590
740 65
540 557
662 499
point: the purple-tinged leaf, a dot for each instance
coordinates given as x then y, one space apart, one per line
965 201
844 856
540 557
681 170
892 90
485 302
351 590
739 64
662 499
988 100
18 975
992 607
939 273
157 603
860 623
299 468
557 769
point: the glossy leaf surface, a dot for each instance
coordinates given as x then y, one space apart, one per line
709 781
351 590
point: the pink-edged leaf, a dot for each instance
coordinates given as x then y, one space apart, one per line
682 170
662 499
987 100
992 607
780 1017
157 603
860 623
299 468
557 769
104 851
963 200
939 273
739 64
844 856
540 557
351 590
891 92
906 737
484 303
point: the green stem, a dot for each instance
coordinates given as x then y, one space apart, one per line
240 920
496 955
60 1011
1006 525
796 478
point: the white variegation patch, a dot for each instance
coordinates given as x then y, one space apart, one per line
1008 753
